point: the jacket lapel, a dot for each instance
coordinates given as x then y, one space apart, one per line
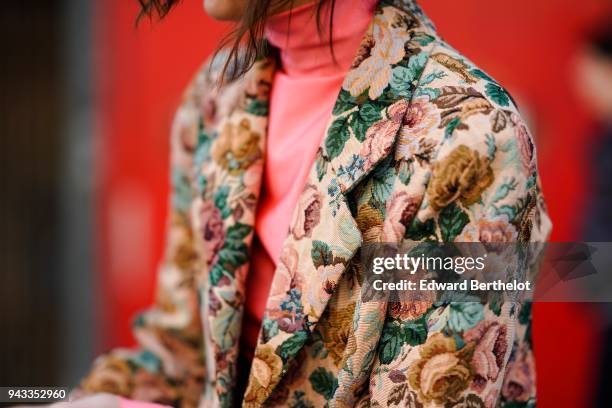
324 236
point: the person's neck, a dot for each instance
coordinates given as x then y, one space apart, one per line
305 50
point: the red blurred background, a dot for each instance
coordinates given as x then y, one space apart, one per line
529 46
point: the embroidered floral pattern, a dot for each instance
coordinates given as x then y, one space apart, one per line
463 175
373 72
237 147
307 213
421 146
266 370
443 371
420 118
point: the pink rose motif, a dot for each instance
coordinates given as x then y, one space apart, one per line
380 136
212 230
410 309
323 284
401 209
285 278
209 110
214 303
290 324
397 111
491 342
489 230
497 230
420 117
397 376
307 214
519 382
525 144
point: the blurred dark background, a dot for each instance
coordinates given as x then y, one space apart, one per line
86 100
46 180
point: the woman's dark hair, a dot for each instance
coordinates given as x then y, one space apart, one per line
245 41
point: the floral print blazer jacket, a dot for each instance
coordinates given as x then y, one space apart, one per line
421 145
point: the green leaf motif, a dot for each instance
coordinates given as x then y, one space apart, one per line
225 328
404 171
146 360
464 315
419 231
481 74
402 78
257 108
323 382
233 254
390 344
400 81
383 179
238 231
507 210
292 345
422 38
362 119
269 329
337 136
429 78
497 94
525 314
452 220
216 274
221 200
344 102
359 126
181 195
415 332
496 303
370 112
491 147
450 128
430 93
321 254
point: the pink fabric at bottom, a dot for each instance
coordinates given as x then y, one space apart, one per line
127 403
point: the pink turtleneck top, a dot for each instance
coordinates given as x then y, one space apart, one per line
304 90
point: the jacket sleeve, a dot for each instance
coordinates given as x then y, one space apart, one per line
481 185
168 365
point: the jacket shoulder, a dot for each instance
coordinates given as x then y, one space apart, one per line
464 94
208 81
207 98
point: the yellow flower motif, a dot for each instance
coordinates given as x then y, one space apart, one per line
462 175
443 372
110 374
237 147
265 374
374 72
370 221
335 331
